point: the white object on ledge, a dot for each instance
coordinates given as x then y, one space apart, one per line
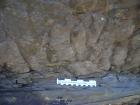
79 82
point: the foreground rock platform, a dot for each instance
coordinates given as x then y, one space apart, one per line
110 89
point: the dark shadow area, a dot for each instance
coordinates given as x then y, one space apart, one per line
138 103
21 99
3 4
29 99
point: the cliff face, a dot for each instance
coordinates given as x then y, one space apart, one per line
77 37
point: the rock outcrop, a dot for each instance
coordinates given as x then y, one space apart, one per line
84 36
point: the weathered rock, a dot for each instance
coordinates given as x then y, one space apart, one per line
78 39
136 41
119 56
82 6
60 42
133 58
97 25
10 55
45 32
83 68
42 39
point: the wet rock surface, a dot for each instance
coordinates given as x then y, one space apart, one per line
111 88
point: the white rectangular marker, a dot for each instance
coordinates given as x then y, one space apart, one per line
91 83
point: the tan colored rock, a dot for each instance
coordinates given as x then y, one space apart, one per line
78 39
120 56
136 41
83 68
83 6
44 32
60 43
10 55
96 28
34 51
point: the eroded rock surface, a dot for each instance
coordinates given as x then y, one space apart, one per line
114 89
38 33
67 38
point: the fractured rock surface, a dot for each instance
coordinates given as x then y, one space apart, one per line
40 33
44 39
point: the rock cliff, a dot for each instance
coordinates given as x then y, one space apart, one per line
80 36
44 39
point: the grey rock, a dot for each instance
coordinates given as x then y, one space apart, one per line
78 39
84 68
10 54
46 32
120 56
136 41
60 42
